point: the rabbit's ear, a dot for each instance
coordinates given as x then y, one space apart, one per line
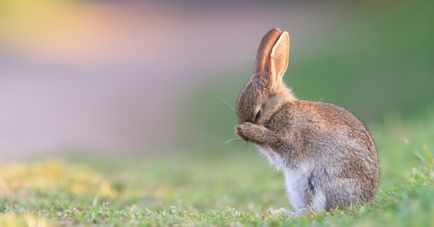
264 51
279 57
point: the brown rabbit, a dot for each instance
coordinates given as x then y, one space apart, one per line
326 154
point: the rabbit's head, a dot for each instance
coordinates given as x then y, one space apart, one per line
265 92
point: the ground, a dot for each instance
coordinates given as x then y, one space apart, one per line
228 187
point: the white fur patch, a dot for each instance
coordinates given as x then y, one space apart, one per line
296 183
319 201
272 157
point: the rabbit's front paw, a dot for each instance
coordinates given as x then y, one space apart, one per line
253 133
245 131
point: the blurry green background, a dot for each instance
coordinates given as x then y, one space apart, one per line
140 76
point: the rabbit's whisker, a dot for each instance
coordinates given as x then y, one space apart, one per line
227 104
232 140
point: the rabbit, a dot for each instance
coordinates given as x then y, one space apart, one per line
326 154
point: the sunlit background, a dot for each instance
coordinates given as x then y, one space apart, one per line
143 76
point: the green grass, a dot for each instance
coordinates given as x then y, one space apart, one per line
226 187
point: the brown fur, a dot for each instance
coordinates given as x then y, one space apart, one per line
339 151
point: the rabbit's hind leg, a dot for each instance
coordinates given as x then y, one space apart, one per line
285 212
342 192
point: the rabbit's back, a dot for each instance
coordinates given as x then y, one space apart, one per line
318 123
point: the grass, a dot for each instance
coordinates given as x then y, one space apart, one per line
228 187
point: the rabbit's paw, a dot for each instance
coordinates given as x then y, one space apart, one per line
285 212
281 211
253 133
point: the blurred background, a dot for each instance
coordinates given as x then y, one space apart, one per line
146 76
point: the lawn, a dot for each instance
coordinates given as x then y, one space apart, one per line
231 186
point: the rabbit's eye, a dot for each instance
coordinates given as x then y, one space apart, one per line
258 114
